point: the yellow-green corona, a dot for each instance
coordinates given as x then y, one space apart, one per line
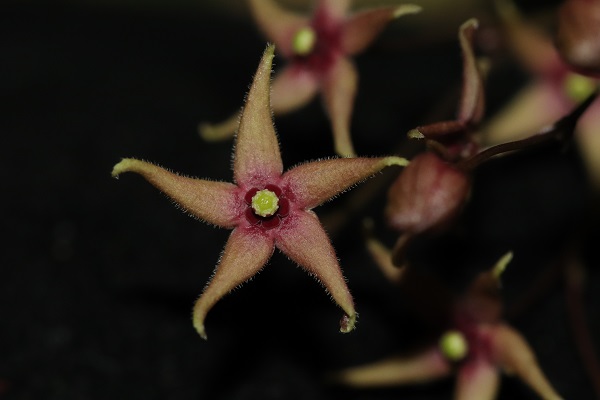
265 203
453 345
579 87
304 41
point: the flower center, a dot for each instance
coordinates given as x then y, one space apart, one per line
578 87
265 203
304 41
453 345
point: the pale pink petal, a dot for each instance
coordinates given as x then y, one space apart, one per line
536 106
334 8
214 202
304 241
220 131
477 380
382 256
420 368
293 87
532 47
246 252
257 149
361 29
472 99
511 352
315 182
339 90
278 25
588 140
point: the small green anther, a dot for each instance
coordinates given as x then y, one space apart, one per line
265 203
578 87
453 345
304 41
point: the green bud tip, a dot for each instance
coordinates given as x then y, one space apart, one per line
415 134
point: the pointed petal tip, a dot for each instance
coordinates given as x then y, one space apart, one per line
501 265
470 23
269 51
393 160
348 323
125 165
415 134
407 9
199 326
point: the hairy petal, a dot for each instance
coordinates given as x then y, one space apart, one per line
213 202
339 91
293 87
246 252
315 182
361 29
420 368
257 149
477 380
303 240
511 351
472 100
277 24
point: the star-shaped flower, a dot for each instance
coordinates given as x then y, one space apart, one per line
476 346
319 50
555 88
265 207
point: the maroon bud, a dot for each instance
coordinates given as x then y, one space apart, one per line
428 194
578 35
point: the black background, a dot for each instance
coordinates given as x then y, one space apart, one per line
98 276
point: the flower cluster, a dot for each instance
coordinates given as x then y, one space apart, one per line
267 207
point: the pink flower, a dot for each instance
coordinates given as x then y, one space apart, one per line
554 90
476 346
265 207
430 193
318 50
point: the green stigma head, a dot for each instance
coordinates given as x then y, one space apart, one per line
578 87
304 41
453 345
265 203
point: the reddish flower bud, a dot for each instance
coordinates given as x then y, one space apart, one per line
428 194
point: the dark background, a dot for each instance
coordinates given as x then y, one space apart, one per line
98 276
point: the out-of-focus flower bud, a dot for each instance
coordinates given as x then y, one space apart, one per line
578 35
428 194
